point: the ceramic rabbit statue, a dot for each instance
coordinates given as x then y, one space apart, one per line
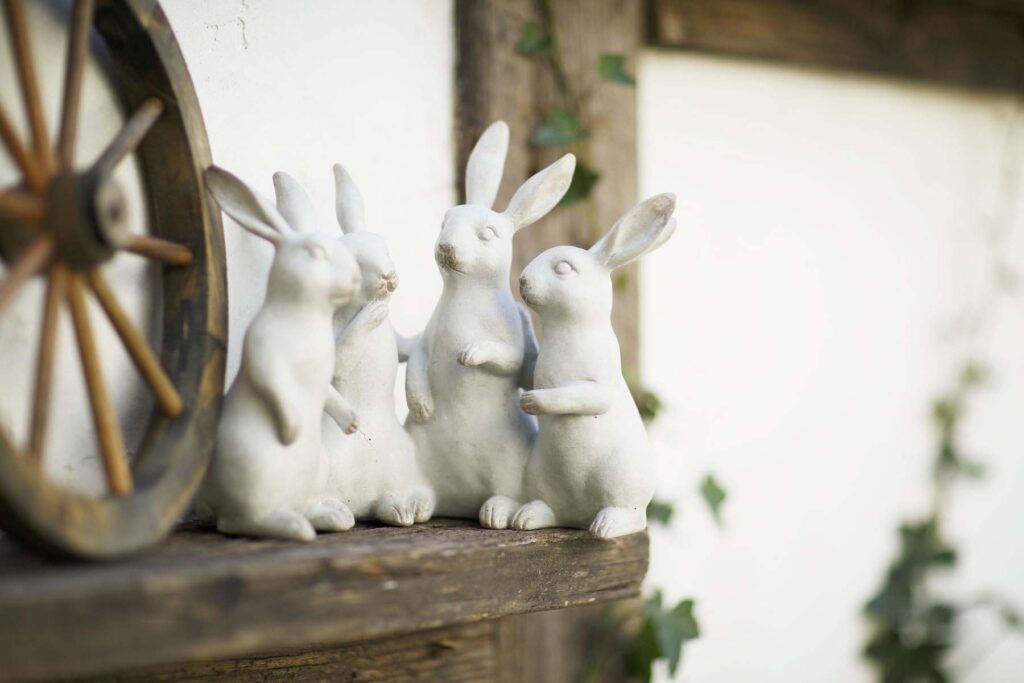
268 476
591 465
464 370
374 472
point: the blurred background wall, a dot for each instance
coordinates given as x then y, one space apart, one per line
797 328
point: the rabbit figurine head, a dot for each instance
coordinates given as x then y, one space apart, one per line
370 250
308 267
476 241
575 284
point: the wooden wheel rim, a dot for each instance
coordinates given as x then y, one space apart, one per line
147 63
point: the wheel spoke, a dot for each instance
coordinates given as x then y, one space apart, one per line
171 253
17 26
44 362
28 263
29 169
78 52
138 348
21 206
115 460
129 137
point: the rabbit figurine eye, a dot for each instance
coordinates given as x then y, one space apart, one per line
564 268
317 252
488 234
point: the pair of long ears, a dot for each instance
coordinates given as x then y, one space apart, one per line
534 198
294 212
641 230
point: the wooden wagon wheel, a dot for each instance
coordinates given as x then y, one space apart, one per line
61 223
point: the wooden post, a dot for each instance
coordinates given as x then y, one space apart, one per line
494 81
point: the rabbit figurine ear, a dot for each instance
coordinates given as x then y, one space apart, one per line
348 202
252 211
294 204
643 228
541 192
486 165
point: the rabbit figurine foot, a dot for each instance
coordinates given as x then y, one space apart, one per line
497 511
286 524
534 515
330 514
391 510
612 522
422 503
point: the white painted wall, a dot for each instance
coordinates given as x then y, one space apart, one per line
828 225
299 86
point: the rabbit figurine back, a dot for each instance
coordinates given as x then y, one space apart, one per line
591 465
465 368
268 476
374 472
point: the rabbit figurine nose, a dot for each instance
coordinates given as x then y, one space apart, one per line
445 256
390 281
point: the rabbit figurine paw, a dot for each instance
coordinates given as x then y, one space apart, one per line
497 512
330 514
534 515
421 407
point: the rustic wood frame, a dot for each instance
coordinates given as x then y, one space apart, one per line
971 43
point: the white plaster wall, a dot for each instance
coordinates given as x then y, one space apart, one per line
828 225
299 86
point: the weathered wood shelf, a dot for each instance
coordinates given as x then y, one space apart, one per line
202 597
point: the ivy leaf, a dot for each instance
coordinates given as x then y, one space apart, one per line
583 181
660 511
1011 617
671 628
561 128
714 495
612 67
533 39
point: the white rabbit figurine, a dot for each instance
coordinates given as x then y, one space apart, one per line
464 370
591 465
374 472
268 476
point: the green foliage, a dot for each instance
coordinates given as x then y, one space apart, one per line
663 632
647 402
533 39
612 67
912 629
560 128
660 511
714 495
582 185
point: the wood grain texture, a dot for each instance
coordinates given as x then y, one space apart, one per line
495 82
457 654
200 596
976 44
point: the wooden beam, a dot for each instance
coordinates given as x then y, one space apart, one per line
457 654
494 81
202 597
962 42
